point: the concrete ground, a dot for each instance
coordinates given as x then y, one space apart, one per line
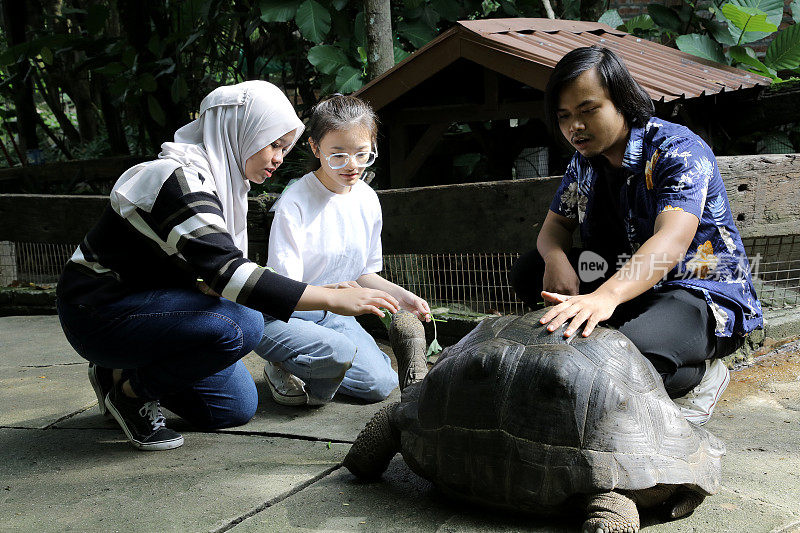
63 467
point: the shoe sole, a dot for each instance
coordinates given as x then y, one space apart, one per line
145 446
101 399
282 398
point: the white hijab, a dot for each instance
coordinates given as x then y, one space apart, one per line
234 123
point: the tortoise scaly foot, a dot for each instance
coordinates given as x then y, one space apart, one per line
611 512
374 447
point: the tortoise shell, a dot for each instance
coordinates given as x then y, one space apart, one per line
519 417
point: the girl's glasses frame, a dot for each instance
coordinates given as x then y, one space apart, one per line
341 159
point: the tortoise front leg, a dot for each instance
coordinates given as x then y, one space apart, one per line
407 338
611 512
374 447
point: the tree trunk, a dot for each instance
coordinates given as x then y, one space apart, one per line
15 18
380 49
49 92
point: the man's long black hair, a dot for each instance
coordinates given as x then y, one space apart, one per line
627 95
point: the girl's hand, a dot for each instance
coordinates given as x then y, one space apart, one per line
352 301
343 285
586 308
411 302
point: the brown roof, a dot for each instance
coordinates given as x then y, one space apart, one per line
527 49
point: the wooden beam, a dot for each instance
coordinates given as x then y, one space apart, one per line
470 113
423 149
397 154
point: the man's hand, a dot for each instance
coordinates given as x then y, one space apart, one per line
559 276
585 308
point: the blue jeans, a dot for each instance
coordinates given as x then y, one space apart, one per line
177 346
329 352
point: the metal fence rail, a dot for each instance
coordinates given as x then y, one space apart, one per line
473 282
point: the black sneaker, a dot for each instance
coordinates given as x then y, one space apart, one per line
142 421
102 381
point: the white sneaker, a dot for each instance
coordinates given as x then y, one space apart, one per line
286 388
698 405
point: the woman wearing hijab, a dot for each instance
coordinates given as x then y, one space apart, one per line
160 297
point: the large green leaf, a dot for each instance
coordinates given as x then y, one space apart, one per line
701 46
665 17
719 31
278 10
96 19
418 33
399 54
348 79
313 20
179 89
745 56
327 59
784 50
156 112
747 18
612 18
641 22
773 8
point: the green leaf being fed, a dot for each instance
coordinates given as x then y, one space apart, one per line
701 46
278 10
784 50
327 59
387 317
313 20
612 18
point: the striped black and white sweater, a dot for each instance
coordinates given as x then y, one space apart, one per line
183 238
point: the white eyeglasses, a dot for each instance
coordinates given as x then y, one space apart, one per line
340 160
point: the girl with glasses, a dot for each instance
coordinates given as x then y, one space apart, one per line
327 231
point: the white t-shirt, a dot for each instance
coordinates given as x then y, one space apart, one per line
321 237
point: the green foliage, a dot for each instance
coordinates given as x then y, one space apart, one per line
701 46
612 18
784 50
720 37
313 20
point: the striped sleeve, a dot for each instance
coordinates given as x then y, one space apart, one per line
187 224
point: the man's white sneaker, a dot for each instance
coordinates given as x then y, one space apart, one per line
698 405
286 388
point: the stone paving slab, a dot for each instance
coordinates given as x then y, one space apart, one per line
38 397
339 421
78 480
401 501
34 340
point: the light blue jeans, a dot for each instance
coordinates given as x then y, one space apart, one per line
329 352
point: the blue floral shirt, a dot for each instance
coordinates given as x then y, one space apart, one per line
669 168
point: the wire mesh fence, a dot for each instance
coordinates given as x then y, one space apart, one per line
477 283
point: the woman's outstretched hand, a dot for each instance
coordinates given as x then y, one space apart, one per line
348 301
413 303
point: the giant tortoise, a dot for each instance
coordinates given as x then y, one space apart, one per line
516 417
